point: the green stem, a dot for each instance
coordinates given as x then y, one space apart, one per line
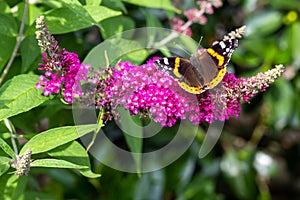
13 135
18 43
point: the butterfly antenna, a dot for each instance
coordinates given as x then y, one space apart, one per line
198 46
183 49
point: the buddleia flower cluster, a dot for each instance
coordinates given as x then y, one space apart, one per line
195 15
150 92
63 70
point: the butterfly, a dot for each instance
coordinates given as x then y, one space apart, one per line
202 72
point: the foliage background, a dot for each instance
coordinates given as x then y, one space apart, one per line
237 168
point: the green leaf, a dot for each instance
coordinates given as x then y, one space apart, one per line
75 16
115 5
238 174
133 134
93 2
120 24
73 152
4 8
135 145
285 5
21 185
201 187
14 186
151 20
7 43
64 20
294 41
53 138
7 149
162 4
19 95
34 11
8 26
100 13
30 51
4 164
56 163
8 33
264 23
151 185
117 49
278 100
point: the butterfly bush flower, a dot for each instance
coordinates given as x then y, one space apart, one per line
195 15
63 69
22 164
177 25
147 91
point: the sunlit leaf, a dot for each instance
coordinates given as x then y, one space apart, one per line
73 152
55 163
53 138
19 94
7 149
162 4
4 164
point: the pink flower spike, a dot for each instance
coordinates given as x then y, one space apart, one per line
147 91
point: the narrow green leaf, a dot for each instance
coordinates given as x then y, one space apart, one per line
73 152
7 149
14 186
162 4
294 41
53 138
56 163
135 145
4 164
21 185
19 94
133 134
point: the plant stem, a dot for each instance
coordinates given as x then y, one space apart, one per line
175 34
18 43
13 136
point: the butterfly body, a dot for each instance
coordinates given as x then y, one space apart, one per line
200 72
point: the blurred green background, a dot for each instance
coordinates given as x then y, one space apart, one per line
257 155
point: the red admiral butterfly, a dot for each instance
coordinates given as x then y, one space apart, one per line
203 72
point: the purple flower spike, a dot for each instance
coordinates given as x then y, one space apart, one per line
147 91
64 71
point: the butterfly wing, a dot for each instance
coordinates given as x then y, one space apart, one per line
221 51
187 76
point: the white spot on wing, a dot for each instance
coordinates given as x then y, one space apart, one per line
222 44
166 61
